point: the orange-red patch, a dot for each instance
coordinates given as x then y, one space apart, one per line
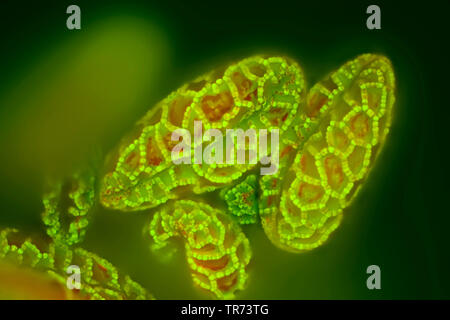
153 155
226 283
360 125
285 151
216 106
132 160
177 110
333 169
339 139
315 102
373 98
215 265
244 86
309 193
169 143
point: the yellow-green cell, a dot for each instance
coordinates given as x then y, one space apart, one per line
329 140
352 110
49 262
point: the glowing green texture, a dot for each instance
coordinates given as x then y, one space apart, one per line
99 279
242 200
351 110
217 250
329 140
67 206
254 93
258 92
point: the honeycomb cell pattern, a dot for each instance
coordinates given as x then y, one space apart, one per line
329 139
100 279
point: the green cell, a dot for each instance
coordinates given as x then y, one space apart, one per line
99 278
329 140
68 205
217 250
242 200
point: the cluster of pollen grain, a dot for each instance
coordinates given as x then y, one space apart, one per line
254 93
99 279
67 207
351 110
217 250
242 200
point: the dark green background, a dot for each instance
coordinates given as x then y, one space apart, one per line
400 221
